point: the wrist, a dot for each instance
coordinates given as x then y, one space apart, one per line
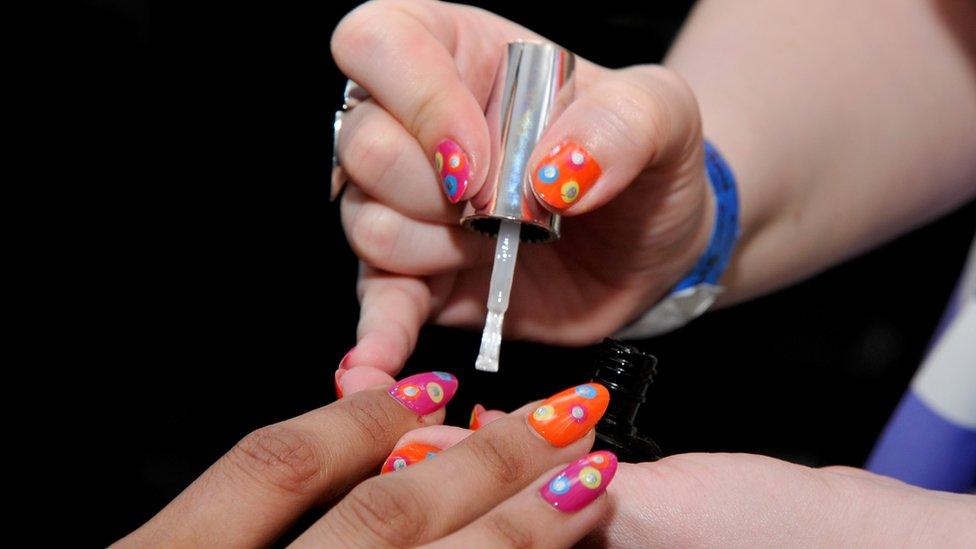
699 287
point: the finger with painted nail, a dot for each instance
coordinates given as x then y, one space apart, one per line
434 497
613 131
555 511
432 100
480 416
275 474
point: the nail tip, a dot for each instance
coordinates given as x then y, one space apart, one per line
581 482
568 415
426 392
407 455
338 388
564 175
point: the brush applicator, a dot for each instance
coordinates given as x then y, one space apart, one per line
533 85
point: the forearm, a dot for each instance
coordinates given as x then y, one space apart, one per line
847 123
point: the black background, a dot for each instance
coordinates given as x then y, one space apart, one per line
207 288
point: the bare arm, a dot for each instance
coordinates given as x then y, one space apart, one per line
847 123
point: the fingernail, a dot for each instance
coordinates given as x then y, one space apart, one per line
566 416
342 363
453 169
583 481
425 393
407 455
473 423
338 388
564 175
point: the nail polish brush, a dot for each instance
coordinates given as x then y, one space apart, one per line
533 85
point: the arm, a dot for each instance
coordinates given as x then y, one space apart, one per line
847 123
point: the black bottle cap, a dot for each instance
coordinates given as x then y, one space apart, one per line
626 372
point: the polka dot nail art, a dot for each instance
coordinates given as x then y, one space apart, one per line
564 175
581 482
453 169
407 455
425 393
566 416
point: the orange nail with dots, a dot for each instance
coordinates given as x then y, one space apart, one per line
474 423
407 455
566 416
564 175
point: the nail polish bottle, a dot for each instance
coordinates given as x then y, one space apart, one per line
626 372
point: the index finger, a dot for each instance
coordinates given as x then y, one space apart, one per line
434 497
401 53
252 493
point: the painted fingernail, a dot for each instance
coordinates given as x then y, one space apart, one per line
473 423
568 415
578 485
453 169
425 393
342 363
338 388
564 175
407 455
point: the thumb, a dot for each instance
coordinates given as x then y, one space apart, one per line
639 117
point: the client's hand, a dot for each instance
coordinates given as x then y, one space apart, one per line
501 487
744 500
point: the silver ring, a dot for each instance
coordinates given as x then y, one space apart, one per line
353 95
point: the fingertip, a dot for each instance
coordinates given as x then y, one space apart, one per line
488 416
376 351
562 177
442 436
357 379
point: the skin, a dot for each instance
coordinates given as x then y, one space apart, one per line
328 459
744 500
482 491
860 127
846 124
837 139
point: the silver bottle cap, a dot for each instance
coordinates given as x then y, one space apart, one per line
533 85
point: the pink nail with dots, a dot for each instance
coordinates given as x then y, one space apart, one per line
425 393
453 169
583 481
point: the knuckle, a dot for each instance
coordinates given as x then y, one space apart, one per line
374 233
504 460
430 103
636 113
371 153
505 532
280 456
373 26
388 509
357 31
375 421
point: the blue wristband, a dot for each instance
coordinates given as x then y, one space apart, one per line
698 289
711 265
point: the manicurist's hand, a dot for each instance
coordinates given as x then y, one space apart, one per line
744 500
524 480
624 165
